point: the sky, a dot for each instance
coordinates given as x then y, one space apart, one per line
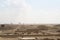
30 11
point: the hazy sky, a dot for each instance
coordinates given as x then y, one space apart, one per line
30 11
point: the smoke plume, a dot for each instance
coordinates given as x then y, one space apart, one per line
14 10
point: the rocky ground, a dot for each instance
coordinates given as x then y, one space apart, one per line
22 29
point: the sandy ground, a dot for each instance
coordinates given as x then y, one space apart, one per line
8 38
55 38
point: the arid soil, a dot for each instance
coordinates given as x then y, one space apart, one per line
51 31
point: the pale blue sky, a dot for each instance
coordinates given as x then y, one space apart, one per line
45 4
30 11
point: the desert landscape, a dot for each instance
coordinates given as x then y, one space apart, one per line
29 31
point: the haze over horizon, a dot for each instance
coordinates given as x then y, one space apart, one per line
30 11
